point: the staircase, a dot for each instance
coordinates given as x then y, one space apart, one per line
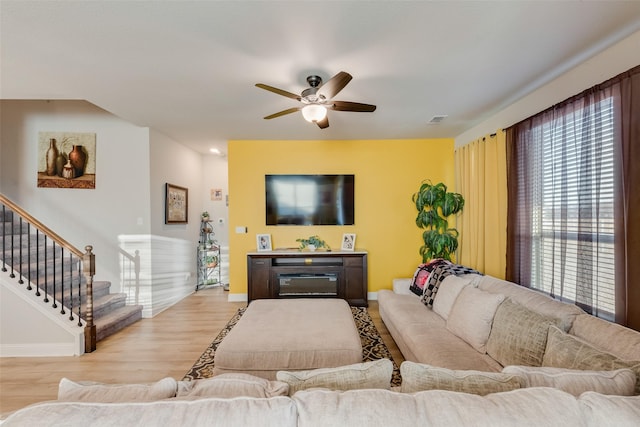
52 271
110 312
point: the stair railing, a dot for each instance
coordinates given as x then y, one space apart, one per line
51 266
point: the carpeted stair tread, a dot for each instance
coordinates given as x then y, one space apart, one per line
106 304
116 320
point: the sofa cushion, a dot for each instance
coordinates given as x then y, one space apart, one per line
472 315
518 335
232 385
375 374
447 294
566 351
279 411
437 276
90 391
619 382
615 339
420 377
533 300
601 410
527 407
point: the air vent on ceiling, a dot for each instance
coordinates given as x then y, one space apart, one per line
437 119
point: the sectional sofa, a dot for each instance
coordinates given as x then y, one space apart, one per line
486 353
486 324
243 400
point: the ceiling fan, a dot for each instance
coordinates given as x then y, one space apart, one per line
318 98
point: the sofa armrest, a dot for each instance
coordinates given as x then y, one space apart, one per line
401 286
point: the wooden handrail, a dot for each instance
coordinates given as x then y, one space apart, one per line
88 269
46 230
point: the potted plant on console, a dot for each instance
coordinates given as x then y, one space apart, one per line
435 205
313 243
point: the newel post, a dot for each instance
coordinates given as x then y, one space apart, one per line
89 270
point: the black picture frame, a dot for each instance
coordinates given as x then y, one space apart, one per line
176 204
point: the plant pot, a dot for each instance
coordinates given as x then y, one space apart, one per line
312 248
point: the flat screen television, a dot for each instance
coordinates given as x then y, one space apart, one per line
309 199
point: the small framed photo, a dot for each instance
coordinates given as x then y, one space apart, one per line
348 242
263 242
176 204
216 194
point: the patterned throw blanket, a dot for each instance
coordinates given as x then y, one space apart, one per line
438 275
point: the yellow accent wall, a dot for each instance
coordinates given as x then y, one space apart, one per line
387 173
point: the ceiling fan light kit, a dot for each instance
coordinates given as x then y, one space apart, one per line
314 112
317 99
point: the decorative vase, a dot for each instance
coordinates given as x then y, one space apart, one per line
61 160
78 159
51 156
68 171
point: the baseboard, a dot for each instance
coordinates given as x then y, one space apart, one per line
38 350
238 297
372 296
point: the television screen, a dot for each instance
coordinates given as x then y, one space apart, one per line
309 199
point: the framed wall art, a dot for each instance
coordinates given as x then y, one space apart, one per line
66 160
348 242
263 242
176 204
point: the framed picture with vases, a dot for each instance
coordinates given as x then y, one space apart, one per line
176 205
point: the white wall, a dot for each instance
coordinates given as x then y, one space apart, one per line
172 268
215 175
617 59
127 205
120 203
43 333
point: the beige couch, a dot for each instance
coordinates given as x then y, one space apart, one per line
484 323
236 400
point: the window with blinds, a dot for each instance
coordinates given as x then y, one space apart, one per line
572 224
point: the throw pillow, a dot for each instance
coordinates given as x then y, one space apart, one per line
447 294
567 351
89 391
438 275
422 274
472 314
375 374
518 335
619 382
420 377
232 385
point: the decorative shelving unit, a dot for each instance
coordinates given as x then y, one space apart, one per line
208 256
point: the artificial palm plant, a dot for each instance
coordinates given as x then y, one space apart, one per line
435 205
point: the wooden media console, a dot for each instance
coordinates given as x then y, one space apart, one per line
295 274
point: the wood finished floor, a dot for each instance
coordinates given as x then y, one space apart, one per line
151 349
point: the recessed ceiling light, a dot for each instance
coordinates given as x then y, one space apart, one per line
215 151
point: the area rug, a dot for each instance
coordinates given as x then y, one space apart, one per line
373 348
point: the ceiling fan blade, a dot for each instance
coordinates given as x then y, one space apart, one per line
324 123
278 91
283 113
334 85
352 106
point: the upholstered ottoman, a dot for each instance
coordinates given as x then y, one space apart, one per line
290 334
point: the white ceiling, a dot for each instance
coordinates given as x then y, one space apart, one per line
188 68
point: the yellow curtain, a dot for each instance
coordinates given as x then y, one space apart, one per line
481 178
